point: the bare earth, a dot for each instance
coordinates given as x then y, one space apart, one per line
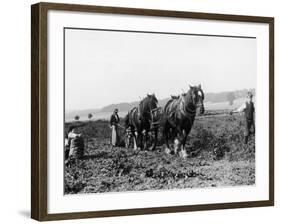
217 157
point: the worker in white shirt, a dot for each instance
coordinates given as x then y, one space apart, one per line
248 109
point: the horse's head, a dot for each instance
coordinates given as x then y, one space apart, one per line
152 101
197 96
146 106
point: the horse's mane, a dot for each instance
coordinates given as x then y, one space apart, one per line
148 103
129 116
187 96
183 103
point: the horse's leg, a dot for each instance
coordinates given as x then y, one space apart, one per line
135 136
153 146
166 130
171 132
140 138
183 153
178 138
186 132
144 134
184 139
176 142
155 138
127 140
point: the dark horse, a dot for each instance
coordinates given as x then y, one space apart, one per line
179 114
140 119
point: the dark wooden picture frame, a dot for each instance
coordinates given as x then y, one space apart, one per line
39 107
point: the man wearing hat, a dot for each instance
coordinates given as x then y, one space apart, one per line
114 121
248 108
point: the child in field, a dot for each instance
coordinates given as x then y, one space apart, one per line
75 142
128 136
248 109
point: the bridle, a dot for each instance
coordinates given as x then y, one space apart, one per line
150 111
189 112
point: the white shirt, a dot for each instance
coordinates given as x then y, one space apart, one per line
73 135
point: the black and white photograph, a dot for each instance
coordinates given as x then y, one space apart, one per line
153 111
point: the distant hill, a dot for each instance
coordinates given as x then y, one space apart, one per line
128 106
80 113
120 106
223 96
210 98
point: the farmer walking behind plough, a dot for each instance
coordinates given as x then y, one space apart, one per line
248 108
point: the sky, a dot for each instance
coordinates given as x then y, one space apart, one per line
109 67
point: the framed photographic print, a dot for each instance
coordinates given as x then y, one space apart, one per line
141 111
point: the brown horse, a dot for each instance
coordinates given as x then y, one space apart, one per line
139 121
179 114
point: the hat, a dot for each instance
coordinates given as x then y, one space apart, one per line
250 94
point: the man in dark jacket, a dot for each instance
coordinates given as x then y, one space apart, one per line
114 122
248 108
